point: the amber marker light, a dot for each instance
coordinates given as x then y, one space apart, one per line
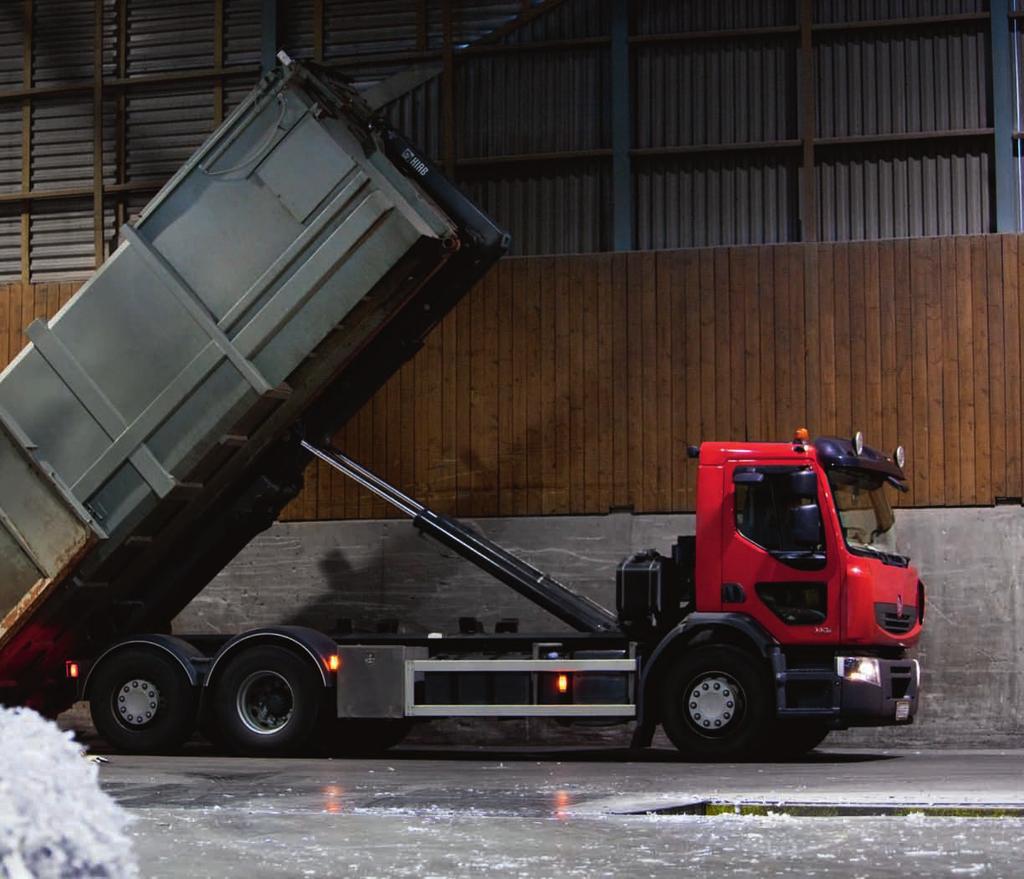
71 669
333 662
563 683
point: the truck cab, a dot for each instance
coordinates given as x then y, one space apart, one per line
794 559
801 536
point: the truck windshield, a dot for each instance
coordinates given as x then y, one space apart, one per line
864 511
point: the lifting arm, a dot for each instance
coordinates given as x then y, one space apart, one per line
543 590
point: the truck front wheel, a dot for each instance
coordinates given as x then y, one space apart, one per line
266 702
142 702
715 703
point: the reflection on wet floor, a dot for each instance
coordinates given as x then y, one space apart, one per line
333 794
563 802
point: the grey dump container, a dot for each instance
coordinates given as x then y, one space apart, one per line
266 264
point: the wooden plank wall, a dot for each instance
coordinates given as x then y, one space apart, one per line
573 384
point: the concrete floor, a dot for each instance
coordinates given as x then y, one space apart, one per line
568 813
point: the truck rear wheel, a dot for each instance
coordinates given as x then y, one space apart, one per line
142 702
715 703
266 702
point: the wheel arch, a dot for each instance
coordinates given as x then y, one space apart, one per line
185 654
733 629
306 643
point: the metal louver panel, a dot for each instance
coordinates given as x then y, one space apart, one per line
62 41
61 241
62 143
742 92
297 29
11 68
236 90
110 28
242 32
569 20
11 73
166 35
10 243
550 101
728 199
659 17
164 128
10 147
904 192
475 20
917 82
863 10
61 234
366 27
559 210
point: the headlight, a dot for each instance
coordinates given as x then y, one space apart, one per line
859 669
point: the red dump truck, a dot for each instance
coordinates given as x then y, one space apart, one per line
165 415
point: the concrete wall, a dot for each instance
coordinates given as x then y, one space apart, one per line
315 572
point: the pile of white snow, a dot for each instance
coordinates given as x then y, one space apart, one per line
54 819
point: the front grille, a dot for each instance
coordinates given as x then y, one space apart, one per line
896 623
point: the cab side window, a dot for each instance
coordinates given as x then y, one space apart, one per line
764 512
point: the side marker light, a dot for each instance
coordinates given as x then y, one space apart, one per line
563 683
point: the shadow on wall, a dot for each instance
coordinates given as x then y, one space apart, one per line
399 574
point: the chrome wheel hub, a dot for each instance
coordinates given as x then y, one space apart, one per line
137 702
265 702
713 701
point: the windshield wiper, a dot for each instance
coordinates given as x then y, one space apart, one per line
888 558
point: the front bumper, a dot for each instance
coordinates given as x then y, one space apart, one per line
849 691
892 699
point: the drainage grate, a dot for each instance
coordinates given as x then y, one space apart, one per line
710 808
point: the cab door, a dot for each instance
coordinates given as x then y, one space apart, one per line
779 560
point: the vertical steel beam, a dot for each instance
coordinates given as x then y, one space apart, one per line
622 129
269 44
808 184
26 140
1002 118
97 136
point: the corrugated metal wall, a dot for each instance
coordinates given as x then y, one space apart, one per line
723 149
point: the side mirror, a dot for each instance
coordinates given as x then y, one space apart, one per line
806 525
804 483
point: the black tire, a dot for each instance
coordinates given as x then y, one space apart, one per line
266 701
737 689
142 701
791 739
362 737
